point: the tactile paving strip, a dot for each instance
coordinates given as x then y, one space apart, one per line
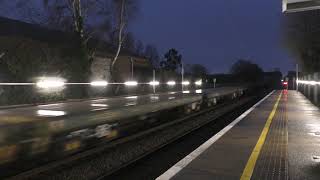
272 163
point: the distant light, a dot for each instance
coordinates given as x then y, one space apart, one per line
281 80
132 97
171 83
99 83
198 83
172 92
154 83
50 113
50 83
185 83
285 83
199 91
131 83
185 92
99 105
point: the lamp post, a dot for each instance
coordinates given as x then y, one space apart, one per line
154 79
131 60
182 75
297 77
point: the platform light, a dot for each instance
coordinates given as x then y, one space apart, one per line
185 92
50 113
198 83
171 83
309 82
99 105
50 82
199 91
154 83
131 83
185 83
99 83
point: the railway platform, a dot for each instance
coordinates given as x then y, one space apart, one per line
278 138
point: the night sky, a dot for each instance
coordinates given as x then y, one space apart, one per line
216 33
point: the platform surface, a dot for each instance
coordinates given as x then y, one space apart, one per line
277 139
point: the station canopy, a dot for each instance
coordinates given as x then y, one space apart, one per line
300 5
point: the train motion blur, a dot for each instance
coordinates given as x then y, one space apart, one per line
49 134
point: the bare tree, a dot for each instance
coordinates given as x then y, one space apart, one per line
110 17
124 11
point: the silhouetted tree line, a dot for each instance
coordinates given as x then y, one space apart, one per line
173 62
246 71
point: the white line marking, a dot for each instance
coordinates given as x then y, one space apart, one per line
193 155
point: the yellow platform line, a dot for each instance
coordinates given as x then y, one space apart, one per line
247 172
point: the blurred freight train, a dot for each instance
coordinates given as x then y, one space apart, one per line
47 132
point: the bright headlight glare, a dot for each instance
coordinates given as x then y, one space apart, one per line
185 83
131 83
154 83
50 113
50 83
171 83
198 83
99 83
